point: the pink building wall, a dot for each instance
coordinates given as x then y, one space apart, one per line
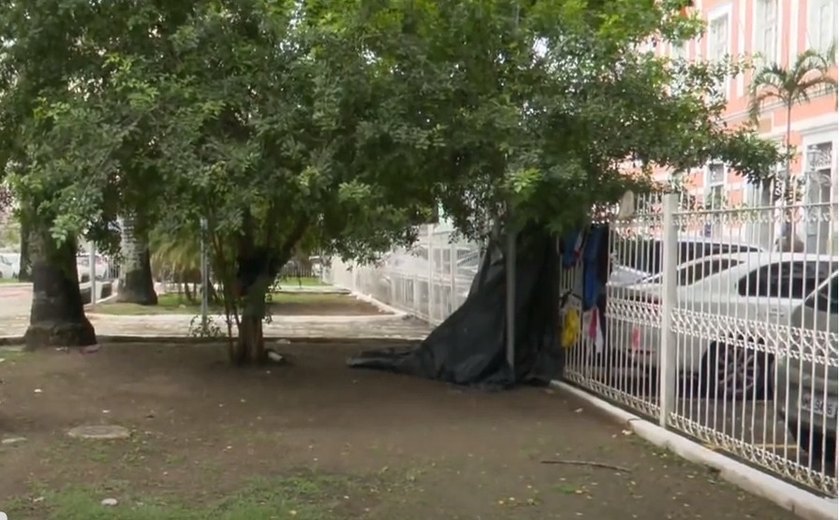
814 122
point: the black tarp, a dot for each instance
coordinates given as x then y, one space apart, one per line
469 348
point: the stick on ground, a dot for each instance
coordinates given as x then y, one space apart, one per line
586 463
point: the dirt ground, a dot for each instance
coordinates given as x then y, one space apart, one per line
314 439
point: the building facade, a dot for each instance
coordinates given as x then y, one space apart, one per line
777 30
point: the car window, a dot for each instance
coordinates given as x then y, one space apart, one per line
693 273
785 279
825 300
646 255
696 271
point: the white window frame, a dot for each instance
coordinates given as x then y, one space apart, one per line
813 18
756 38
817 136
722 12
709 186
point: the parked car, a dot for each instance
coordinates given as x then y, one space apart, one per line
806 370
9 265
726 310
636 259
83 268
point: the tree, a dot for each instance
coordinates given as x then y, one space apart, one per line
136 284
52 33
351 121
809 72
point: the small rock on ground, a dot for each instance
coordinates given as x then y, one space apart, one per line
12 440
109 502
102 432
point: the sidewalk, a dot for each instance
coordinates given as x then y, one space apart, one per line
291 327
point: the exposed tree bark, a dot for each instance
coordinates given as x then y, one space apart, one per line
249 347
257 269
136 284
25 269
57 316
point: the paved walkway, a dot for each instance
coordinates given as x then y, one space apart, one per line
293 327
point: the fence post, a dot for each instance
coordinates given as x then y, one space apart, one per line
92 274
667 338
453 281
205 278
510 296
431 295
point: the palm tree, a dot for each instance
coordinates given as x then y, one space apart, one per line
809 73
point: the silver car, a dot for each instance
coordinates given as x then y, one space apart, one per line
806 371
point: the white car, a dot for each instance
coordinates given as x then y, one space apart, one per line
636 259
806 369
9 265
83 268
726 316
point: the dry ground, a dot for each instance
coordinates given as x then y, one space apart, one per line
316 440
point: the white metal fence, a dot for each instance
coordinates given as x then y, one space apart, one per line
749 324
429 280
750 331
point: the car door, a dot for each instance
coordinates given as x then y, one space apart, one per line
814 335
770 293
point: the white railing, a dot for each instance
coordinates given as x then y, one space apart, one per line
429 280
751 358
752 364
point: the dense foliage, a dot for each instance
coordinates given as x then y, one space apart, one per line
345 121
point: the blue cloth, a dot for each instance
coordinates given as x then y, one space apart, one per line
592 285
569 253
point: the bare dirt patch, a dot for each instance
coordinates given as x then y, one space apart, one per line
323 441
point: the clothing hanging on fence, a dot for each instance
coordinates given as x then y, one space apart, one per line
572 245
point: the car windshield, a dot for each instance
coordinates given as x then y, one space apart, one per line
645 254
693 272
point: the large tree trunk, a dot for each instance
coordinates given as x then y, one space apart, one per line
136 284
57 316
249 347
25 268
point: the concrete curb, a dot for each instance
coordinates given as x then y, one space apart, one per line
188 340
802 503
6 341
16 285
384 307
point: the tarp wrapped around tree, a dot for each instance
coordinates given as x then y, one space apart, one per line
469 347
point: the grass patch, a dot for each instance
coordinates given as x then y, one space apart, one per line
305 281
178 304
12 354
309 497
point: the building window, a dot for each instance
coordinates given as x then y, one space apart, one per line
818 203
766 26
719 45
822 24
715 181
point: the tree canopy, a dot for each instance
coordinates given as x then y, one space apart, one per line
347 121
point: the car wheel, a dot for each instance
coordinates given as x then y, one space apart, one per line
820 460
736 372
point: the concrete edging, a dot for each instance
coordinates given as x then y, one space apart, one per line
384 307
802 503
189 340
